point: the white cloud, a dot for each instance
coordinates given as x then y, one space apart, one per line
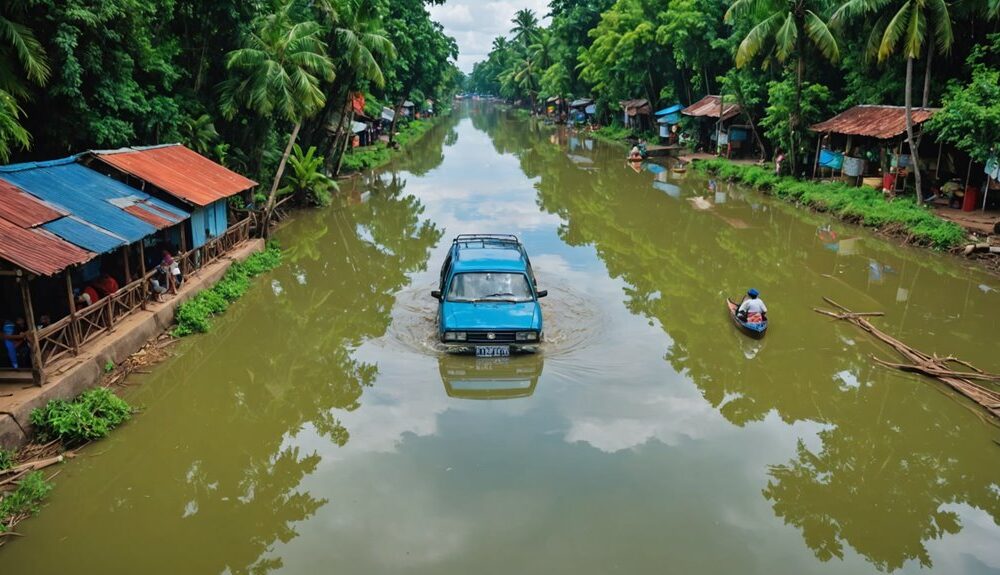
474 24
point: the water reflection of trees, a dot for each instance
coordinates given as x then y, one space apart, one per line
893 452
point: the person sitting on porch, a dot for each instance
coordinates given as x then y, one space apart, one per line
86 297
172 271
105 284
11 341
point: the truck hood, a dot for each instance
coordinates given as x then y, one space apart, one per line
490 315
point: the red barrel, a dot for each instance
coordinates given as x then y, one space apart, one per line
969 201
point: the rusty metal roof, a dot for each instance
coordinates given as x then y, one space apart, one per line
22 209
38 251
178 171
708 107
637 106
882 122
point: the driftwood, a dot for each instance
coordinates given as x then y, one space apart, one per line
964 382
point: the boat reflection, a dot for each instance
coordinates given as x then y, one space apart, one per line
467 377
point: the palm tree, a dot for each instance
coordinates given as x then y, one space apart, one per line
525 28
361 45
525 76
784 26
279 73
905 24
21 57
199 134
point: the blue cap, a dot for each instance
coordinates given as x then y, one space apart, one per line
753 292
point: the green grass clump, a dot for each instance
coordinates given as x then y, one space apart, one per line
194 315
7 459
863 204
25 500
91 416
613 133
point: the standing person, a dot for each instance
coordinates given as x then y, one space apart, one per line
10 341
168 265
752 310
778 159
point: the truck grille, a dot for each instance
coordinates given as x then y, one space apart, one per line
483 337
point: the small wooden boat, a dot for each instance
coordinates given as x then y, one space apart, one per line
754 330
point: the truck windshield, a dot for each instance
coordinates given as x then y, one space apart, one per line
490 286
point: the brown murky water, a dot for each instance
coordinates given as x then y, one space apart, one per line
318 429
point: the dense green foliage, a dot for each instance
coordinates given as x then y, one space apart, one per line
378 155
229 78
863 205
90 416
195 315
24 500
788 63
7 459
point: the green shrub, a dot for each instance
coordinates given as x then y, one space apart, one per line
195 315
861 204
91 416
26 499
109 366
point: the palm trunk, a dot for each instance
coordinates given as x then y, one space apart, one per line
347 143
331 156
793 123
927 75
277 176
914 143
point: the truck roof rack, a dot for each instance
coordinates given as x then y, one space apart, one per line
484 238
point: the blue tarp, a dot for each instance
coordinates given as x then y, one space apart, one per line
86 236
84 193
671 110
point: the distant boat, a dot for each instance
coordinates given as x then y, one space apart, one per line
754 330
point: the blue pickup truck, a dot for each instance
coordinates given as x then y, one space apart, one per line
488 297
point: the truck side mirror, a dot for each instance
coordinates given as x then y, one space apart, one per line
436 294
543 293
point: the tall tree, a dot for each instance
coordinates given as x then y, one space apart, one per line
278 74
362 47
905 24
782 28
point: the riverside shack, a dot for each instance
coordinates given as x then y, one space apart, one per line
868 142
714 132
67 229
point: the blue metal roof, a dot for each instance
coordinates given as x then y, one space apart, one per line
86 236
671 110
84 193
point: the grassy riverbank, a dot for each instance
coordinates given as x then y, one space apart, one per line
371 157
863 205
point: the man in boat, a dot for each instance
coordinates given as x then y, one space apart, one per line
752 310
635 155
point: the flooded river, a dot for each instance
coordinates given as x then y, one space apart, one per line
319 429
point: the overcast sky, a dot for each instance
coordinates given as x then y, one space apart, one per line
474 24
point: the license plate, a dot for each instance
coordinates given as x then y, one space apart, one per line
492 350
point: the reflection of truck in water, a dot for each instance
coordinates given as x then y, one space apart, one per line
490 378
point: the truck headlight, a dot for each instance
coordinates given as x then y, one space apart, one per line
527 336
454 336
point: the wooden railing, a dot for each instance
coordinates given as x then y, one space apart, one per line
66 336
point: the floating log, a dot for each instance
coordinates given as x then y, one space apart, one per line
964 382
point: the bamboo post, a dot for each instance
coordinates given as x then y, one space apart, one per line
184 261
74 327
142 270
37 369
819 141
128 274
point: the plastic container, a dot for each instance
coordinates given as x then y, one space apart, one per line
969 201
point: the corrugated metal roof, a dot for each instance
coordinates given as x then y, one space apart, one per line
635 107
581 103
882 122
179 172
669 110
37 251
708 107
22 209
87 236
82 192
